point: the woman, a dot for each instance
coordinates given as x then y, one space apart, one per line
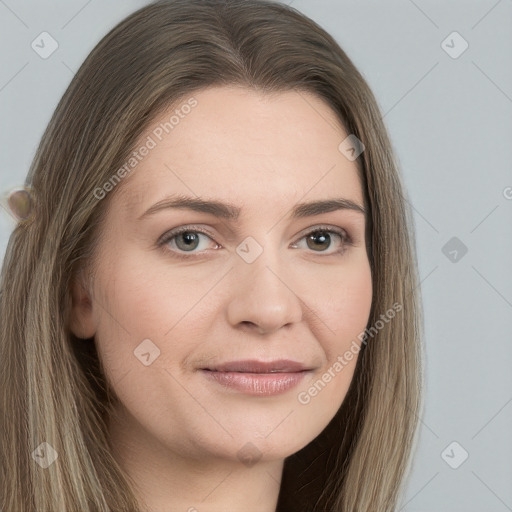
213 303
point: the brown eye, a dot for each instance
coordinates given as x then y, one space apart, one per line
319 240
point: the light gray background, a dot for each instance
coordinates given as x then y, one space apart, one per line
450 120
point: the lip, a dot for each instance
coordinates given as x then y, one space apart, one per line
258 378
255 366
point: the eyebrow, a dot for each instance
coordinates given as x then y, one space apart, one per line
231 212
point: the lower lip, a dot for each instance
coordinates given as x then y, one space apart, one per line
259 384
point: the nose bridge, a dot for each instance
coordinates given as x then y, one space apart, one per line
262 294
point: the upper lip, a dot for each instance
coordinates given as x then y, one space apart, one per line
254 366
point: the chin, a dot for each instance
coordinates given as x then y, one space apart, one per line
256 438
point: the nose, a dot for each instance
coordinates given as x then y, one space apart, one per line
263 298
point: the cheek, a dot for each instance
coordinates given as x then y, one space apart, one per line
142 302
142 312
344 313
344 309
137 358
343 305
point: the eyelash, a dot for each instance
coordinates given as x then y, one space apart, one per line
346 240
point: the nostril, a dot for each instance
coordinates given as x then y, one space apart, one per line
248 323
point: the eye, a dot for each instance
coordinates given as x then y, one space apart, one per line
321 238
185 238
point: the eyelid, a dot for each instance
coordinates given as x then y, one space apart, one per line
327 227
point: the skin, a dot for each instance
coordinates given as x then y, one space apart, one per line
174 432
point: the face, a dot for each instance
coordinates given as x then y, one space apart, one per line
230 339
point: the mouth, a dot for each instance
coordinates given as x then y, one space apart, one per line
257 377
254 366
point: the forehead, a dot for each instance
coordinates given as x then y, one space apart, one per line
246 146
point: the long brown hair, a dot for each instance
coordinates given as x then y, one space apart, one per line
53 389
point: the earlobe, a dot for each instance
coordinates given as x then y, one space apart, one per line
81 320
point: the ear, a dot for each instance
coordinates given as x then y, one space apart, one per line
81 321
